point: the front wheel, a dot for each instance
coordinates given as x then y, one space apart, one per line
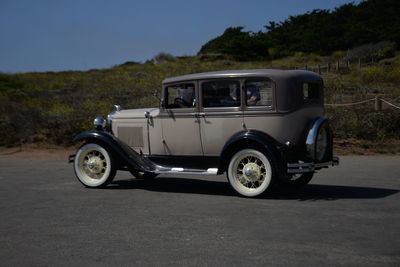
94 166
250 172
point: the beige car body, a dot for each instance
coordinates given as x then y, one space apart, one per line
203 131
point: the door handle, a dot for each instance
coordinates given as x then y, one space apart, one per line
203 115
198 114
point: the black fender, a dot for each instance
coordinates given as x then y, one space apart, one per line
125 155
251 138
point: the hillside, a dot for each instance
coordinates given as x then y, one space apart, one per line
320 32
50 108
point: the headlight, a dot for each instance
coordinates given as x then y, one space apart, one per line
319 141
99 123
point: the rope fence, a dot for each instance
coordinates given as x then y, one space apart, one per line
390 104
351 104
378 103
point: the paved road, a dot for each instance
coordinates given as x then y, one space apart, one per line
349 216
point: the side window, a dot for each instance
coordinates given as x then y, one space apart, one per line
221 94
180 96
311 91
259 92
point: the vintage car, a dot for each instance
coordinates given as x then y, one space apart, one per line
264 128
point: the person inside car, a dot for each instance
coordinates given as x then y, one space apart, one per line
186 98
252 95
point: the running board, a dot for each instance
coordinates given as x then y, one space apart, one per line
210 171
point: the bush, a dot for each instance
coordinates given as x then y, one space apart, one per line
372 52
18 123
337 55
364 123
163 58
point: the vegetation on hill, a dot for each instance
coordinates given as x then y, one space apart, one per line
53 107
319 31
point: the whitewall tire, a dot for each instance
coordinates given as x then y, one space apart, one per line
250 172
94 166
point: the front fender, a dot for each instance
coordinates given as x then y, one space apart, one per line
123 153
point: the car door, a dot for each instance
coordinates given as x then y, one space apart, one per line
221 113
180 122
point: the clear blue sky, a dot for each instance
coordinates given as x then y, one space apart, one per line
54 35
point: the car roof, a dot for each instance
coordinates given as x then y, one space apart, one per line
273 74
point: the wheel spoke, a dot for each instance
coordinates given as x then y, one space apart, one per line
98 164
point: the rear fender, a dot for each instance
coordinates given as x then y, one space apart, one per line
253 138
123 153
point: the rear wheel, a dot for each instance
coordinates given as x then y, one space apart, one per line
94 166
250 172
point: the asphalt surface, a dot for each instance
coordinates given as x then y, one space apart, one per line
348 216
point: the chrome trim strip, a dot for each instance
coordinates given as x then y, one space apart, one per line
210 171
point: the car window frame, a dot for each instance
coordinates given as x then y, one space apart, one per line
311 101
164 109
220 109
264 108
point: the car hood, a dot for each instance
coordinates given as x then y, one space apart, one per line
135 113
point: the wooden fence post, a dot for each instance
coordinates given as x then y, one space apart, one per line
328 67
319 69
378 104
359 63
337 66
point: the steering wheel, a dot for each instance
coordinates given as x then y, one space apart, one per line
181 101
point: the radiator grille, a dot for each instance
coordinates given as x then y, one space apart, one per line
133 136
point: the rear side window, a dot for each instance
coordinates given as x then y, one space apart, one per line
221 94
259 92
311 91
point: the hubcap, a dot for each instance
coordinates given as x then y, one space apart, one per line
94 164
91 165
250 171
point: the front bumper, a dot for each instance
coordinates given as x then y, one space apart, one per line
310 166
